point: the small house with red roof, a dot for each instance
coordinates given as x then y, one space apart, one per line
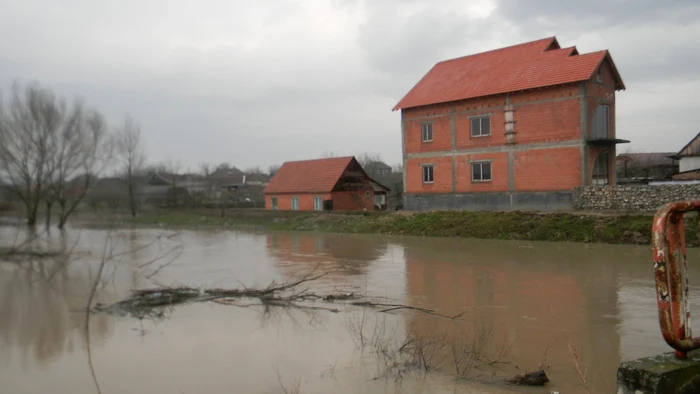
337 183
513 128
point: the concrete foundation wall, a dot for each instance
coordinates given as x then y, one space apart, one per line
633 197
504 201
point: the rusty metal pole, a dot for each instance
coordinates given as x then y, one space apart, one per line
670 267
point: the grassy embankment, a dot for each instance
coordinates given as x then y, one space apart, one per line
568 227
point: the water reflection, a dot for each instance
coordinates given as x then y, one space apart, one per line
539 298
42 307
342 255
558 299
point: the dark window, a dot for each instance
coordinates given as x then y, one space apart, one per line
599 75
601 122
426 132
428 174
481 126
601 170
481 171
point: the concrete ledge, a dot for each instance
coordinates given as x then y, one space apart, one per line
660 374
501 201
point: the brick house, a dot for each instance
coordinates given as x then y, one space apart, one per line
337 183
513 128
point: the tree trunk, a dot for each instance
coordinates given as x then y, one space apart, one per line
49 204
63 215
132 199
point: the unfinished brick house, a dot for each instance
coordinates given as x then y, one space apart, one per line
337 183
513 128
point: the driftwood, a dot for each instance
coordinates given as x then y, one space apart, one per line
537 378
153 303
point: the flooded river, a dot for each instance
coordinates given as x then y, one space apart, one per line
575 311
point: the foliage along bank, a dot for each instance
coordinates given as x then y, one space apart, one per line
562 227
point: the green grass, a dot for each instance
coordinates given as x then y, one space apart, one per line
567 227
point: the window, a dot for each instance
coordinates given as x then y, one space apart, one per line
367 194
428 174
601 122
601 170
481 126
274 203
599 75
426 132
481 171
295 203
318 203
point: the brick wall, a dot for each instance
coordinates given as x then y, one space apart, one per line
547 169
442 174
284 201
632 198
499 173
353 200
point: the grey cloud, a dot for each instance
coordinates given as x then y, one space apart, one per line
268 81
593 14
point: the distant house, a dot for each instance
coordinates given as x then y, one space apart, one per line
256 179
645 167
689 155
227 178
511 128
324 184
377 168
689 161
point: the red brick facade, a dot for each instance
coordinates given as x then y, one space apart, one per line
550 150
524 124
334 183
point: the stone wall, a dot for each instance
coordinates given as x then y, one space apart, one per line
633 197
522 201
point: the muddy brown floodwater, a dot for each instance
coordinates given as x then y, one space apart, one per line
575 310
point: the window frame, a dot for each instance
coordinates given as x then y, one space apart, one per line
431 173
605 180
295 207
318 203
481 119
602 110
423 131
481 163
274 204
599 75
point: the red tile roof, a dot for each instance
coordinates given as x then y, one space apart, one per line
308 176
525 66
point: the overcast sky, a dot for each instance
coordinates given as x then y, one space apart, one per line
261 82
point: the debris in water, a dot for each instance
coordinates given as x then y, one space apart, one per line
537 378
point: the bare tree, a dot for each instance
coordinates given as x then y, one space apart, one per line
272 170
172 169
44 144
79 154
132 157
205 168
366 158
25 128
254 170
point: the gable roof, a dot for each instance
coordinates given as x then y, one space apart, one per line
649 159
692 148
524 66
308 176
